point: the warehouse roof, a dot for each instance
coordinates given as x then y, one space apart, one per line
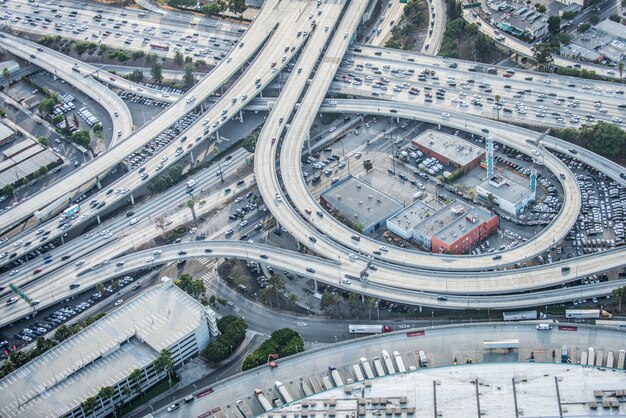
449 146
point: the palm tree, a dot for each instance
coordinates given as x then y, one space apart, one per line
369 304
88 404
107 392
620 295
7 75
159 223
165 362
490 198
190 205
293 299
620 67
136 377
277 285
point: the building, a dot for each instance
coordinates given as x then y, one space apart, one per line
6 134
403 224
613 29
579 3
106 353
509 193
359 202
449 149
23 159
10 65
455 229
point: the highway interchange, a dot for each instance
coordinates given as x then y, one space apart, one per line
267 47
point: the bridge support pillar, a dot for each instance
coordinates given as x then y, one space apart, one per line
98 219
315 284
241 115
308 142
132 199
193 161
217 135
98 183
62 242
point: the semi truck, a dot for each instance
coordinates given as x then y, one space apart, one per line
399 362
519 315
284 393
423 359
369 329
265 404
388 362
358 374
378 366
336 376
587 314
367 369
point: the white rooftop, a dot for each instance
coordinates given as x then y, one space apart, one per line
102 354
456 391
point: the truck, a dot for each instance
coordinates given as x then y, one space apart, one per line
423 359
71 210
336 376
367 369
358 374
369 329
544 327
378 366
265 404
519 315
282 390
328 385
399 362
388 362
191 183
587 314
564 356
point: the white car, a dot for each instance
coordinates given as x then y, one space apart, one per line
243 223
239 199
149 259
534 151
445 115
383 248
345 281
80 262
119 302
18 243
353 256
157 252
14 272
331 129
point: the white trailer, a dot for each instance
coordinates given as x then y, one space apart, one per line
388 362
336 376
587 314
620 359
599 358
328 385
265 404
358 374
367 369
399 362
583 358
610 359
423 359
378 366
284 393
519 315
591 356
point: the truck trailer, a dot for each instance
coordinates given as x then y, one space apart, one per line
369 329
399 362
378 366
367 369
519 315
336 376
388 362
587 314
284 393
265 404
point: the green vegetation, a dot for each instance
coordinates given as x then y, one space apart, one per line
403 34
568 15
249 142
163 182
283 342
358 227
211 9
137 54
330 303
619 295
181 3
602 138
120 55
178 58
188 78
233 332
136 76
554 24
8 189
81 137
82 47
42 140
454 9
195 288
584 73
157 73
460 36
46 106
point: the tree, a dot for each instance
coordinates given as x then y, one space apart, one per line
554 24
136 376
8 189
368 166
354 302
594 18
604 138
330 303
568 15
6 74
620 68
100 288
615 18
81 137
46 106
294 300
490 199
277 284
62 333
237 6
88 405
42 140
190 205
619 294
543 55
358 227
188 78
175 172
164 362
151 59
136 76
195 288
564 38
210 9
178 58
43 170
542 8
107 392
157 73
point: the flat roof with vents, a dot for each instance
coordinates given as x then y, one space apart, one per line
360 202
455 149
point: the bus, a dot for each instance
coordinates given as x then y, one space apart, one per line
160 47
71 210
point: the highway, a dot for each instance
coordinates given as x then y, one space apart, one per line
437 27
251 41
60 65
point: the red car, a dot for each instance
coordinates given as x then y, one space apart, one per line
507 75
273 140
37 270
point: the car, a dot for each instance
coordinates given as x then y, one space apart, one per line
12 300
13 272
119 302
74 285
442 298
445 115
264 256
37 270
353 256
310 270
312 239
149 259
173 407
346 281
